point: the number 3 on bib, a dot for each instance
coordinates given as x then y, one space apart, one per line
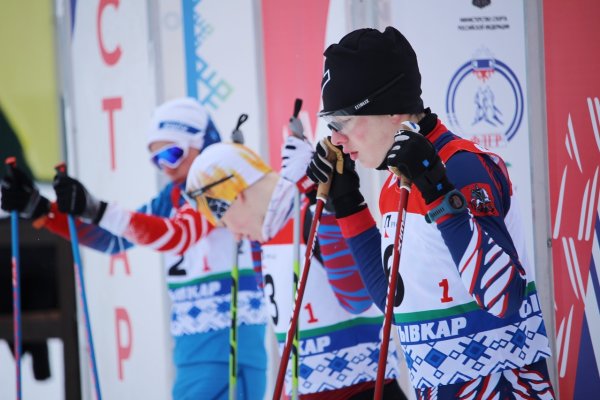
270 293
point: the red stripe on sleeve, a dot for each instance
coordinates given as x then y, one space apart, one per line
355 224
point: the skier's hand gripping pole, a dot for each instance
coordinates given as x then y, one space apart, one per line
334 155
61 169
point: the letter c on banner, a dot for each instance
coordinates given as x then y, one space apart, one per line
109 57
123 349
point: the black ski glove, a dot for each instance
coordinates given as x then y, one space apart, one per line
73 198
344 192
19 193
415 157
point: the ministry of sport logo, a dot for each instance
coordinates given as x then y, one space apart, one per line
484 101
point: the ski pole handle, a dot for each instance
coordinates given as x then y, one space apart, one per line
334 155
237 136
297 107
295 125
61 168
11 164
403 181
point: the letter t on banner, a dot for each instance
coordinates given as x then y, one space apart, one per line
112 104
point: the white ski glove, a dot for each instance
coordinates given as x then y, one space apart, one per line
295 157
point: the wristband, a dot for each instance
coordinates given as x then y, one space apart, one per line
349 204
453 203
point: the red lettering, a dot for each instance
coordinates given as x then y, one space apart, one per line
311 315
123 349
444 285
113 56
112 104
122 258
497 140
489 140
206 267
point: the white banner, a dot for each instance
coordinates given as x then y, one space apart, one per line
222 56
472 61
114 95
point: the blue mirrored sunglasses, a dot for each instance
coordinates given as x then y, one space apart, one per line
169 156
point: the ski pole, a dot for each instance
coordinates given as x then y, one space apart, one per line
235 276
61 169
334 155
11 164
297 130
237 137
404 184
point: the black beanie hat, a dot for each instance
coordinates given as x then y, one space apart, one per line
365 61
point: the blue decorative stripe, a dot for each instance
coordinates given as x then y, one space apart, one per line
187 7
339 339
200 76
178 126
341 274
356 293
340 253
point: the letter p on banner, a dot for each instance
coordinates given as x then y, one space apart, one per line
122 324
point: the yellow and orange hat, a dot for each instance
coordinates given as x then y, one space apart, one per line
219 174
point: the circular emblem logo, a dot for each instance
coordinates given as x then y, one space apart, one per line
484 97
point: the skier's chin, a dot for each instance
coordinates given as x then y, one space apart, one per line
370 163
178 180
255 237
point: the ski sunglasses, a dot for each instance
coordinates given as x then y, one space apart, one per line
213 209
169 156
332 118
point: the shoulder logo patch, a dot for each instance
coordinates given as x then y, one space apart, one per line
480 199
